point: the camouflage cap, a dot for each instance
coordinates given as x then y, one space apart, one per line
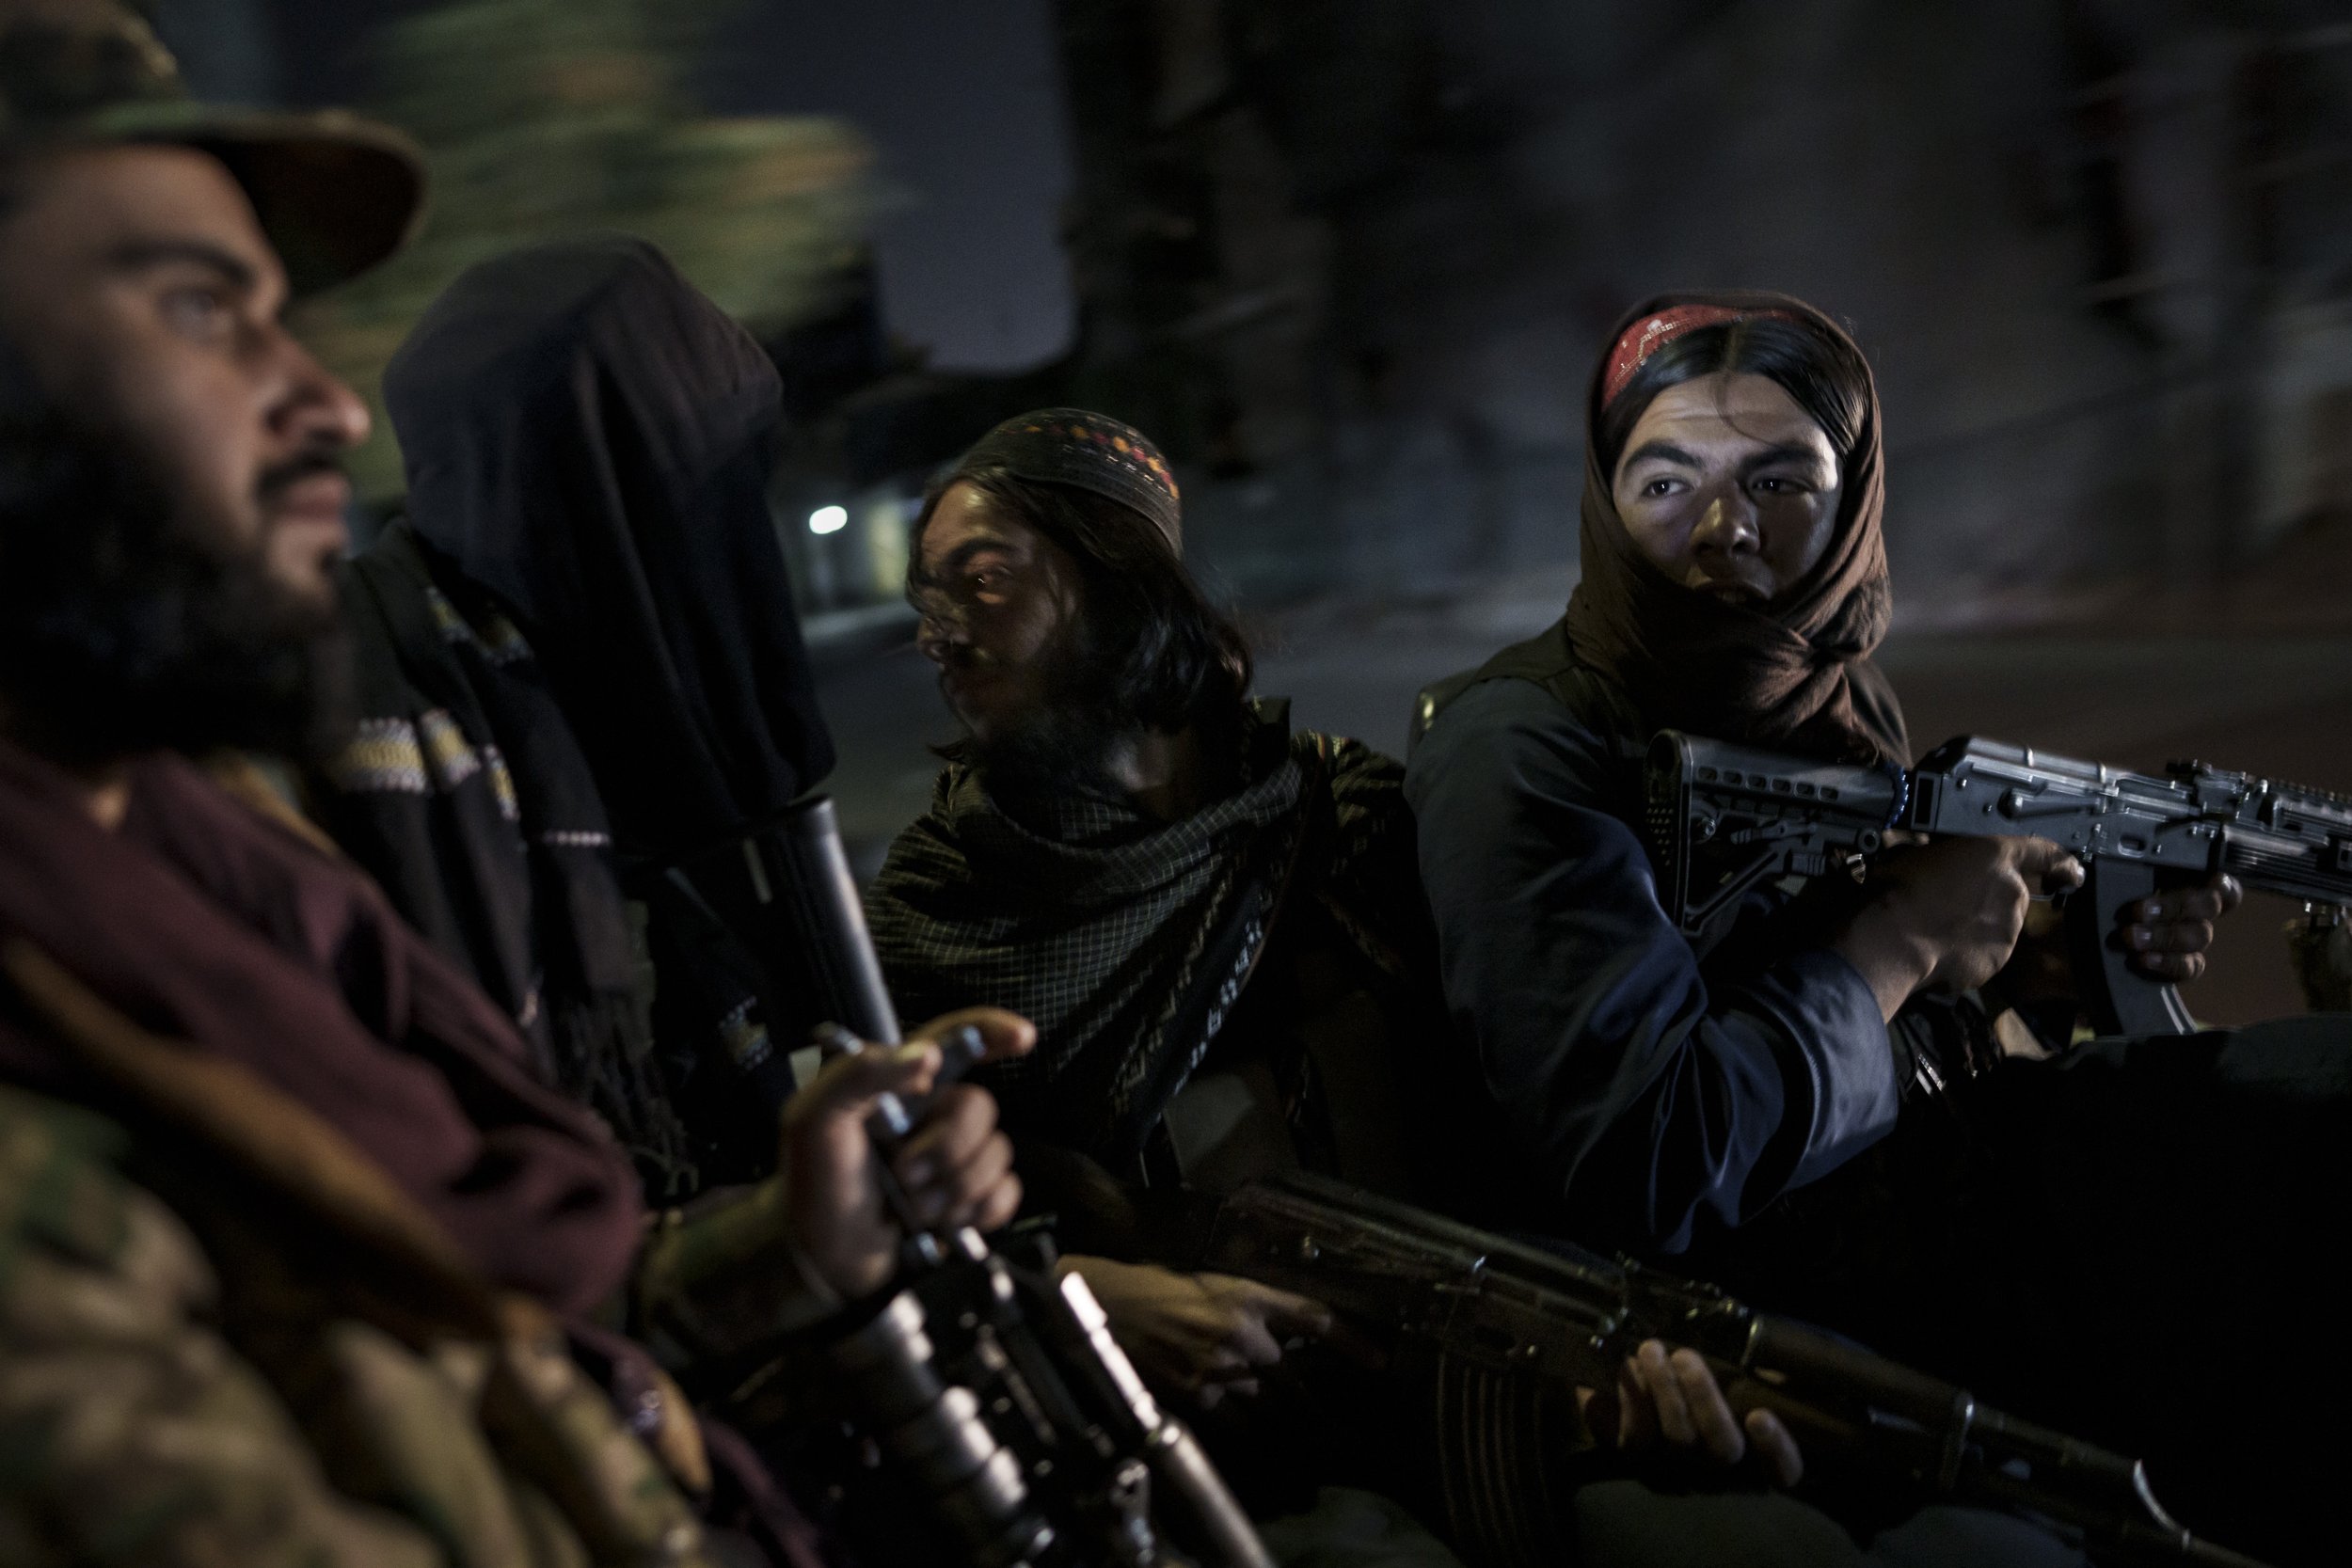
335 194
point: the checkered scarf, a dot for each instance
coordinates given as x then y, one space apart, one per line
1127 939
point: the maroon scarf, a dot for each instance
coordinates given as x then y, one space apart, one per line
1795 673
205 923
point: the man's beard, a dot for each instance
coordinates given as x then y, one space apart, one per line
1063 746
119 634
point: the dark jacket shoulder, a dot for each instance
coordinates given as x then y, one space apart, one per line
1535 712
1547 661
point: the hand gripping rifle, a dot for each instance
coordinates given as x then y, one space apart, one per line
994 1391
1516 1330
1725 818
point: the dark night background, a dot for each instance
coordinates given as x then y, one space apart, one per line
1350 261
960 98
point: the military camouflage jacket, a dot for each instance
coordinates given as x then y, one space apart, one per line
136 1427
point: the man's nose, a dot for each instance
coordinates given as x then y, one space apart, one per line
934 638
1729 524
310 405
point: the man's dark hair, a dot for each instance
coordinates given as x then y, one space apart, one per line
1822 372
1168 657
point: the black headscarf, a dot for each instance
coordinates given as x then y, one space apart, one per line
583 644
589 438
463 794
1795 673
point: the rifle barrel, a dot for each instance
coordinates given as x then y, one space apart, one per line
1567 1319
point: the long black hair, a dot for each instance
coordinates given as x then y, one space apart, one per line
1823 371
1171 657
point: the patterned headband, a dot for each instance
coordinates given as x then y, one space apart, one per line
1651 333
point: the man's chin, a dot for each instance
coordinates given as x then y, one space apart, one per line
1057 752
295 701
314 609
306 591
1741 595
983 722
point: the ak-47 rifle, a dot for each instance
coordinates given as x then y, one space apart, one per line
1726 819
1516 1330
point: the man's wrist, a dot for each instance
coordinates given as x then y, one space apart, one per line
724 1279
1892 961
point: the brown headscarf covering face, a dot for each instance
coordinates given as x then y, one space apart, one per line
1794 673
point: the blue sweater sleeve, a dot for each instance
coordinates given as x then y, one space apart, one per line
1639 1097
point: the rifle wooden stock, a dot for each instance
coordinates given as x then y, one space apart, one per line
1516 1329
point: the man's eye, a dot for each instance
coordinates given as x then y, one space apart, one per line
1775 484
1659 487
199 312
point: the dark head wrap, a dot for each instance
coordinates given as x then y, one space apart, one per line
589 438
1793 674
1093 452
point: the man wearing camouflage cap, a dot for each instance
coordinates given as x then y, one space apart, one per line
146 247
289 1233
152 245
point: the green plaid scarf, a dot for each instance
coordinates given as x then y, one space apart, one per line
1127 939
